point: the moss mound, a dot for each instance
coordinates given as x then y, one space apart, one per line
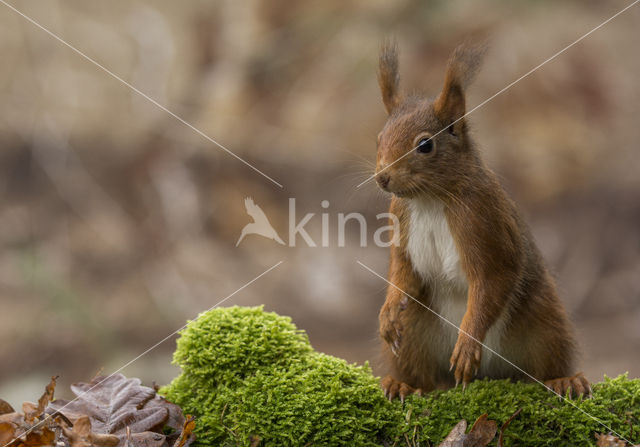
248 373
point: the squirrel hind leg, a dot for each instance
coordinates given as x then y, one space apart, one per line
393 388
576 385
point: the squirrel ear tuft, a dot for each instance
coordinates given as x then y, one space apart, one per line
462 68
388 76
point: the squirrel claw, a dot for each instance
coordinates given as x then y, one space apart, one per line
393 388
577 385
466 359
390 325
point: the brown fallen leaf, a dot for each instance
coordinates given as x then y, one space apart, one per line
116 403
82 436
113 403
42 436
611 441
34 411
15 418
27 430
7 432
176 419
17 433
456 436
108 412
5 407
186 437
140 439
481 434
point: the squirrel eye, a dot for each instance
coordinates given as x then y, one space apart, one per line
425 146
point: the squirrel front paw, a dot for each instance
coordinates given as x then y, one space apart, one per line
466 359
390 326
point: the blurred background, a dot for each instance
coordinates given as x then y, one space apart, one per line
118 222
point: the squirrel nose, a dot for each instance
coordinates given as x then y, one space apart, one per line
383 179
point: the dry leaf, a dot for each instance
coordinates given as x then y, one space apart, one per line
82 436
456 436
42 436
34 411
7 432
140 439
108 412
21 434
15 418
29 409
176 419
186 436
481 434
610 441
5 407
148 439
27 430
115 403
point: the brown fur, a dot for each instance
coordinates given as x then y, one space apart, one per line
388 76
505 272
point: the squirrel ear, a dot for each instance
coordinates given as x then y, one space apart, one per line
388 76
462 67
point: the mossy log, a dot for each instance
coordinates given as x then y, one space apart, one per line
249 374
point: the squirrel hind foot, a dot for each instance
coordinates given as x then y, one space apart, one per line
393 388
576 385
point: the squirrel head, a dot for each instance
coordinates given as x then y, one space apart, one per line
424 147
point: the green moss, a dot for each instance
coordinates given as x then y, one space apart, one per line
545 418
249 373
223 346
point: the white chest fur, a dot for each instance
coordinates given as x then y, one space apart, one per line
435 258
431 246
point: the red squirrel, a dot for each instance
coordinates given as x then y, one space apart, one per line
464 252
